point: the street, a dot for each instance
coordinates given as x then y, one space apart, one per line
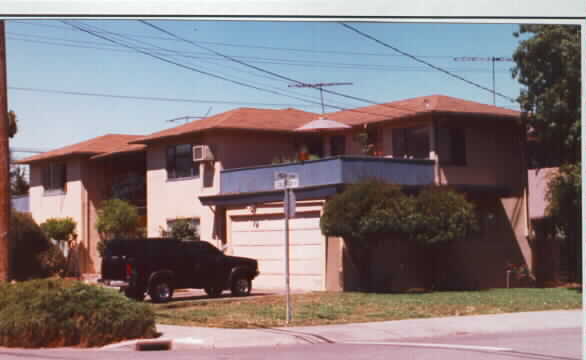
560 344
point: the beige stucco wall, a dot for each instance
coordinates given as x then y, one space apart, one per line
169 199
54 204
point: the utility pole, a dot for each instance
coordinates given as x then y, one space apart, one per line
492 59
321 90
4 166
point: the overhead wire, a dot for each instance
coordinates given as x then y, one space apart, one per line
150 46
93 33
253 59
277 75
151 98
363 34
191 68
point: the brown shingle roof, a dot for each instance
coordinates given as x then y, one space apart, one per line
416 106
241 119
99 145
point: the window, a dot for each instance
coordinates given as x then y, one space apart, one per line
338 145
452 146
411 142
54 176
180 162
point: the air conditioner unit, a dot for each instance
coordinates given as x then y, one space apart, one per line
202 153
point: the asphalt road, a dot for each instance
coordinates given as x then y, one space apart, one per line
562 344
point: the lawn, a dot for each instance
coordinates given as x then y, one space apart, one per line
320 308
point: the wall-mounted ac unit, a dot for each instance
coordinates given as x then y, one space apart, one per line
202 153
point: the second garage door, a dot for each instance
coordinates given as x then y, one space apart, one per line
262 237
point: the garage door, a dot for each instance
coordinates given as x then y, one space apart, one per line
262 237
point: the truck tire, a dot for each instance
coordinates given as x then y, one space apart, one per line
241 286
161 290
213 292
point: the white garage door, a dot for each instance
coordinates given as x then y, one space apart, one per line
262 237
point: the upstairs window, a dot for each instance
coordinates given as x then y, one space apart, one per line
411 142
452 146
180 162
54 176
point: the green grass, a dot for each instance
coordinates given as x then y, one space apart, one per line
321 308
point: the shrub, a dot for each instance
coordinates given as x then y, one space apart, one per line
53 313
442 215
116 219
32 254
183 229
60 229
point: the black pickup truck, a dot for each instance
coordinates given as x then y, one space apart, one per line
159 266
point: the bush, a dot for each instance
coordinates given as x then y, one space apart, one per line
59 228
32 254
53 313
183 229
116 219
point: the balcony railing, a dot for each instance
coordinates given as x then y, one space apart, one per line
329 171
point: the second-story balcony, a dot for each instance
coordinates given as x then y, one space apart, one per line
336 170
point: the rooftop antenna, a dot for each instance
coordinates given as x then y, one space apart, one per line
320 87
492 59
188 118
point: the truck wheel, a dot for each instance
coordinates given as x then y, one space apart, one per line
161 290
213 292
134 294
241 286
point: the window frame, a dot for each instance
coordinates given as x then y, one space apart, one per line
403 146
171 163
455 143
54 177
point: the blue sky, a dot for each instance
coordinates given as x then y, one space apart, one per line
52 55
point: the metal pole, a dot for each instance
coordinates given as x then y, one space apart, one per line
321 94
287 282
493 82
4 167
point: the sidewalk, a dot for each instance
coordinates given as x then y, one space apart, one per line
184 337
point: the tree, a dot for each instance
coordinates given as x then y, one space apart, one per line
116 219
183 229
371 210
12 124
564 197
18 184
442 215
548 65
60 229
361 213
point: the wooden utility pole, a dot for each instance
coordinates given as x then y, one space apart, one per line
4 166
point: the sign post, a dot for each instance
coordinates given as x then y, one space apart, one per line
287 181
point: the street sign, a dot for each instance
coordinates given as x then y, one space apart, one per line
286 180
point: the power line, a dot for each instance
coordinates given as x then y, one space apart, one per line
183 65
425 62
272 48
253 59
149 46
93 33
151 98
277 75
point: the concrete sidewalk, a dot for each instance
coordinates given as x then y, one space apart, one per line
189 337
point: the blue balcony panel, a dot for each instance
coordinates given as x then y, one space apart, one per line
329 171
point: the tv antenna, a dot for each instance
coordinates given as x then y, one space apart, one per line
492 59
320 86
188 118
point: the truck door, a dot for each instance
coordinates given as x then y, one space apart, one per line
203 264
